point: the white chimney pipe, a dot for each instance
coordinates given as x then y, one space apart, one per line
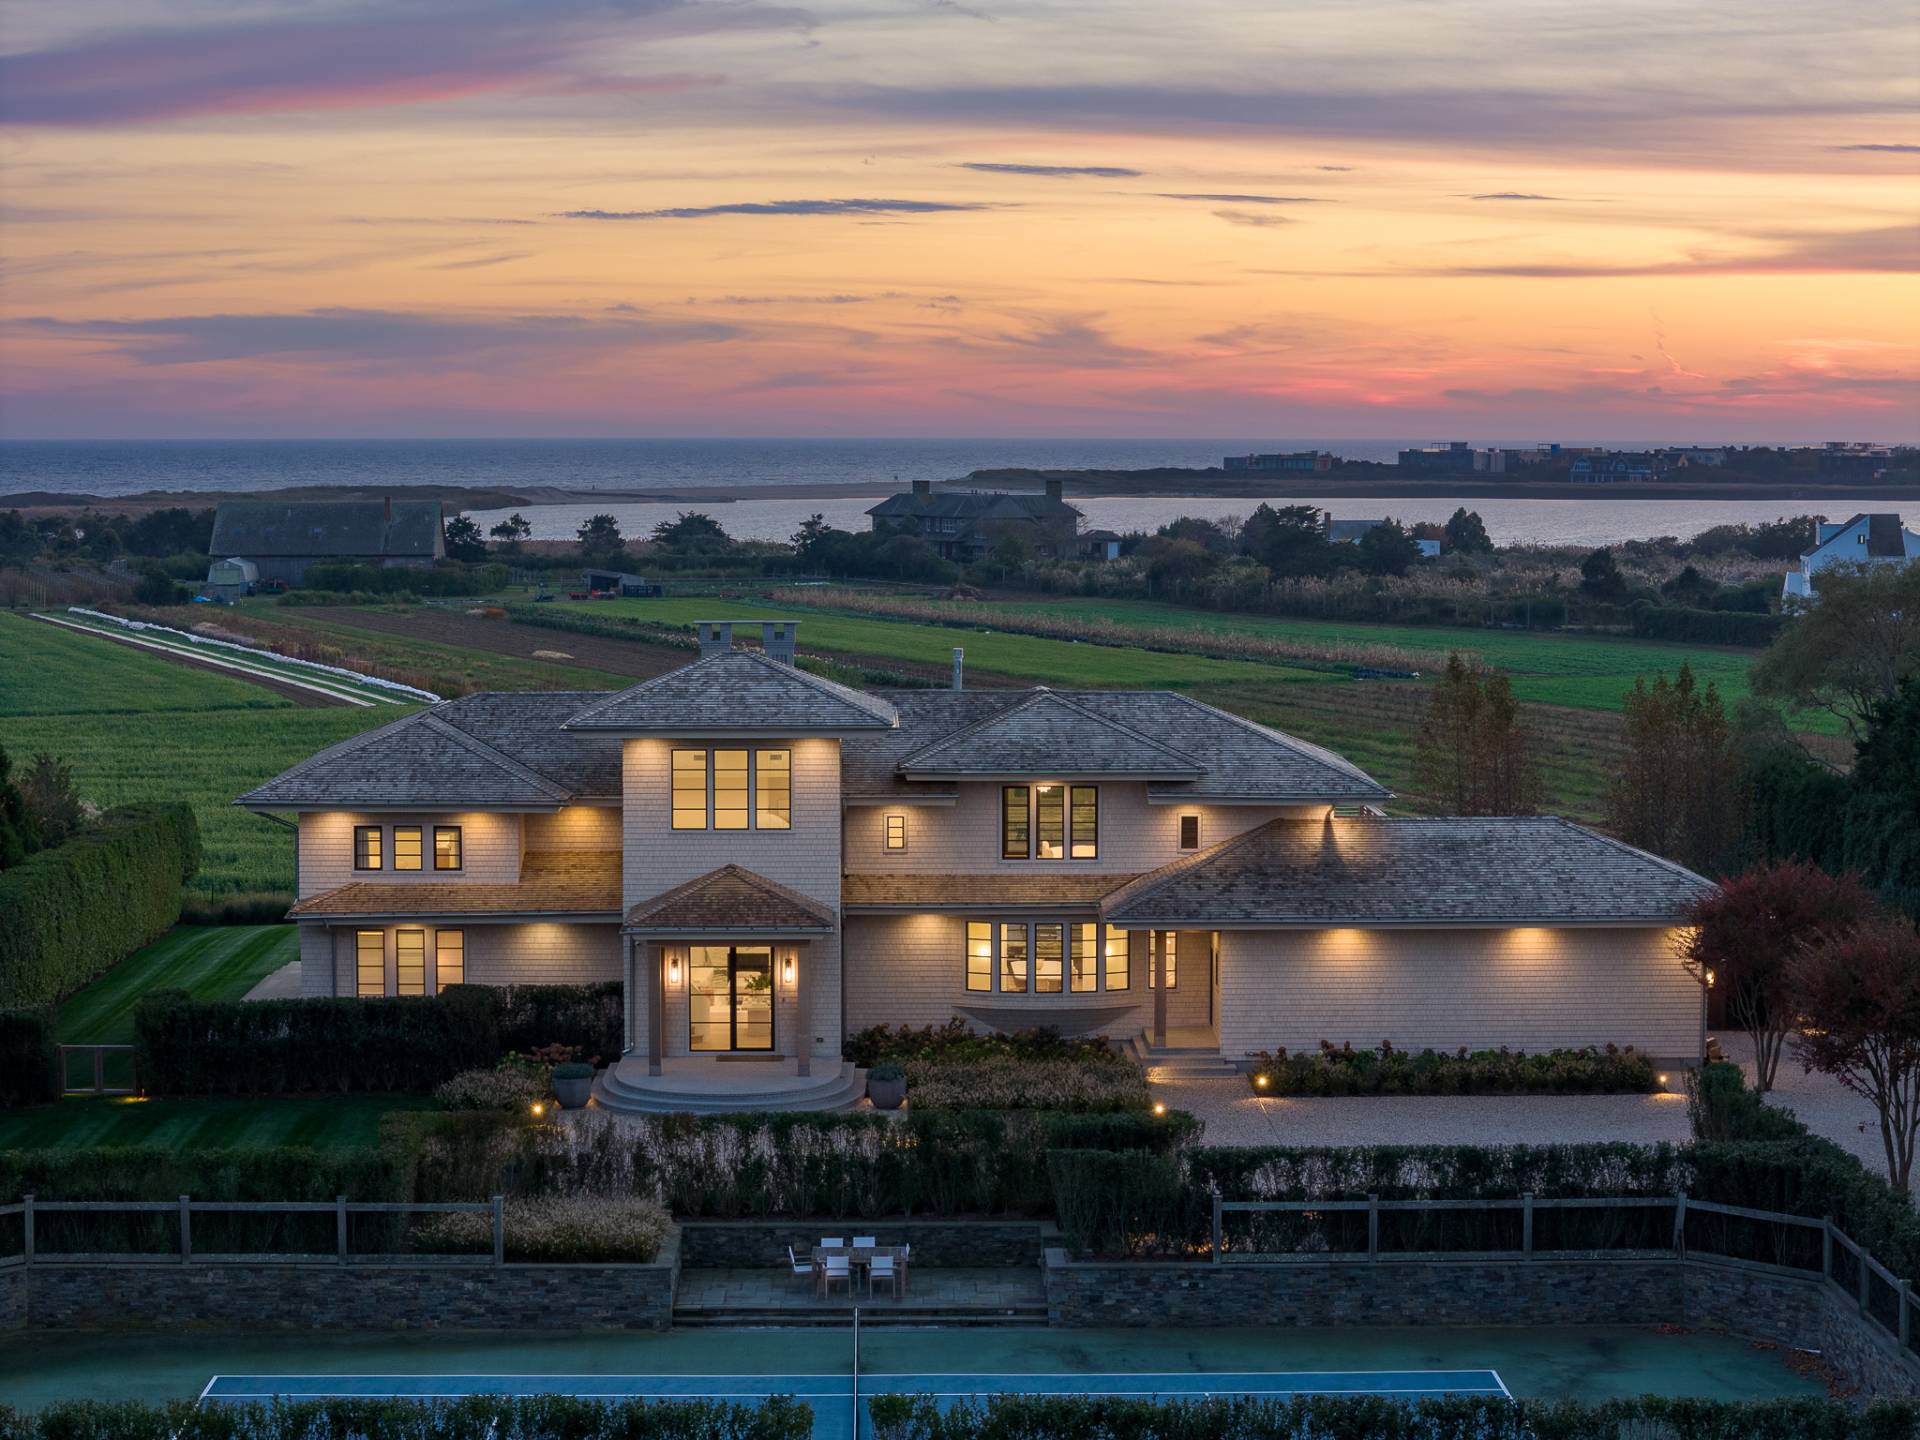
959 668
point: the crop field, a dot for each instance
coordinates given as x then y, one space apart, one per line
139 727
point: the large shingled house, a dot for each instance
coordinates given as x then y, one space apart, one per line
768 861
281 538
965 524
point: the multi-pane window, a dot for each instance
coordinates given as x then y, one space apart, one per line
1016 827
1047 944
366 847
896 832
1083 966
1172 962
408 847
370 962
689 789
732 789
1050 822
446 847
1013 959
979 955
1189 832
1118 975
772 790
410 962
1086 822
449 958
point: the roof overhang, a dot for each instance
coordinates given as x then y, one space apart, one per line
721 732
1538 923
724 932
1175 797
440 805
1082 906
942 797
1052 773
460 917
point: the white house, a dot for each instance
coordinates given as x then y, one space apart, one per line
1863 540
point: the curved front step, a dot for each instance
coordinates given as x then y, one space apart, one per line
631 1095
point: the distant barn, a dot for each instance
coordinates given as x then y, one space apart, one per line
282 538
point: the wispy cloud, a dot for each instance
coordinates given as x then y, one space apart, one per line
1886 149
1252 219
481 262
1229 198
1100 172
1513 195
780 207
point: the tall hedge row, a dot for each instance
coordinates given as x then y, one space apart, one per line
186 1046
1705 627
29 1059
74 912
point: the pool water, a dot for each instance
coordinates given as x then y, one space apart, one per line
1579 1362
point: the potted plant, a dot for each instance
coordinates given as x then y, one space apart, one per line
573 1083
886 1085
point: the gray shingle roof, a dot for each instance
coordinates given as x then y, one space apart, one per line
420 761
1410 872
737 691
529 725
328 527
961 892
978 506
734 901
1050 734
573 883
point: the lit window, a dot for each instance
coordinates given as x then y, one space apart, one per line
689 789
772 790
449 958
1086 822
408 846
1189 832
1172 965
979 955
1015 826
370 962
896 832
1084 972
730 790
366 847
1118 977
1050 822
1047 940
1013 959
446 847
410 962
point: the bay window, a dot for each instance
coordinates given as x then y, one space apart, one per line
1049 957
1013 959
1046 959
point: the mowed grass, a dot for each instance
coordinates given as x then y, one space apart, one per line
161 731
1031 658
209 962
324 1122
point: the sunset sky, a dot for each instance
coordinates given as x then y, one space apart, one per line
1417 218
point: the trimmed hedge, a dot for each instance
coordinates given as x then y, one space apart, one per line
29 1057
74 912
552 1417
1706 627
408 1043
1348 1417
958 1041
1347 1071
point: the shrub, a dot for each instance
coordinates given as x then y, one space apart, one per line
556 1230
887 1071
1706 627
1005 1083
29 1057
252 907
74 912
957 1040
1387 1071
514 1089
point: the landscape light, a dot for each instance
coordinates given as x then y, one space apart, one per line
1159 1107
1260 1082
539 1108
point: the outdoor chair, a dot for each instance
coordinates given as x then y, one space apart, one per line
882 1269
801 1268
864 1242
832 1242
838 1270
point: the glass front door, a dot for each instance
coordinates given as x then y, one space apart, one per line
730 989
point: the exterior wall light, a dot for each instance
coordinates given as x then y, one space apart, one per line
786 971
673 971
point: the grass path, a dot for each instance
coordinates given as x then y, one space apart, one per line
325 1122
209 962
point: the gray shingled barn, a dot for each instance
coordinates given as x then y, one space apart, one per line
283 537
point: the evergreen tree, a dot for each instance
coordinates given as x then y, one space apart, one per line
1600 577
1467 533
512 532
464 540
1387 549
1679 790
1473 755
599 537
1290 541
18 838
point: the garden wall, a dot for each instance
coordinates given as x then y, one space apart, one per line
762 1244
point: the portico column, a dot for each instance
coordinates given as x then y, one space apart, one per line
657 1007
1160 987
627 980
802 1011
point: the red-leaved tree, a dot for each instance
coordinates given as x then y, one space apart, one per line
1858 994
1747 932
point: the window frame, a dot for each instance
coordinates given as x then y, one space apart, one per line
1083 933
976 931
419 834
360 849
404 938
751 814
360 971
1052 955
674 770
893 833
1075 794
1012 813
440 947
1049 826
1005 962
1190 823
459 848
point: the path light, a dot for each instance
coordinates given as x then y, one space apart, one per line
539 1108
1260 1082
1159 1107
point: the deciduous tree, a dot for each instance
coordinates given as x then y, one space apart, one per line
1474 754
1467 533
464 540
1679 789
1851 649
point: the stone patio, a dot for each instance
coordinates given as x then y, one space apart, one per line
769 1295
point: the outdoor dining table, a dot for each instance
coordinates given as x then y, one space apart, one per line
859 1257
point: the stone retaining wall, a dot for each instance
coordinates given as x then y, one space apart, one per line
13 1297
761 1244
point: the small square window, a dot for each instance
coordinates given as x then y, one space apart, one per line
1189 832
366 847
896 832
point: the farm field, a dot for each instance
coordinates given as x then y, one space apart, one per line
325 1122
153 730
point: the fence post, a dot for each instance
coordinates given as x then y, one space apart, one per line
1680 1222
26 1229
340 1228
499 1230
186 1230
1373 1227
1866 1277
1216 1229
1526 1224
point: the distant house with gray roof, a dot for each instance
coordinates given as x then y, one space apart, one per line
767 861
963 525
281 538
1866 539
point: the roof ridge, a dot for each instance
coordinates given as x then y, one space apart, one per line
871 706
1280 737
1037 695
1143 885
731 868
476 746
346 747
1617 844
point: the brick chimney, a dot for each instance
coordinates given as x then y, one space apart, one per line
776 638
716 637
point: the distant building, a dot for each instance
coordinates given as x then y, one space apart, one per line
1839 457
1314 461
1863 540
617 582
1348 532
1100 545
282 538
1456 457
231 579
963 525
1622 466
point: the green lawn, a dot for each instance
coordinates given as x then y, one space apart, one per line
209 962
45 670
327 1122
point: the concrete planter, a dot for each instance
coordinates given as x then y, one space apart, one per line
573 1091
887 1093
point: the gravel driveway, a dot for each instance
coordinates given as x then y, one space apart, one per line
1822 1104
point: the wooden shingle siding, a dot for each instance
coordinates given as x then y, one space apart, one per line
578 827
533 954
1526 988
489 843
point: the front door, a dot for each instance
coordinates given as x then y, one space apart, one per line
731 992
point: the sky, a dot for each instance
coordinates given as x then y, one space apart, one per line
1647 219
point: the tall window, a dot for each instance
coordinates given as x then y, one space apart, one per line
979 955
1083 970
772 790
370 962
408 847
446 847
366 847
1015 826
1013 959
449 958
1118 976
410 962
1086 822
1189 832
1050 822
896 832
689 789
1172 965
1046 959
730 790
